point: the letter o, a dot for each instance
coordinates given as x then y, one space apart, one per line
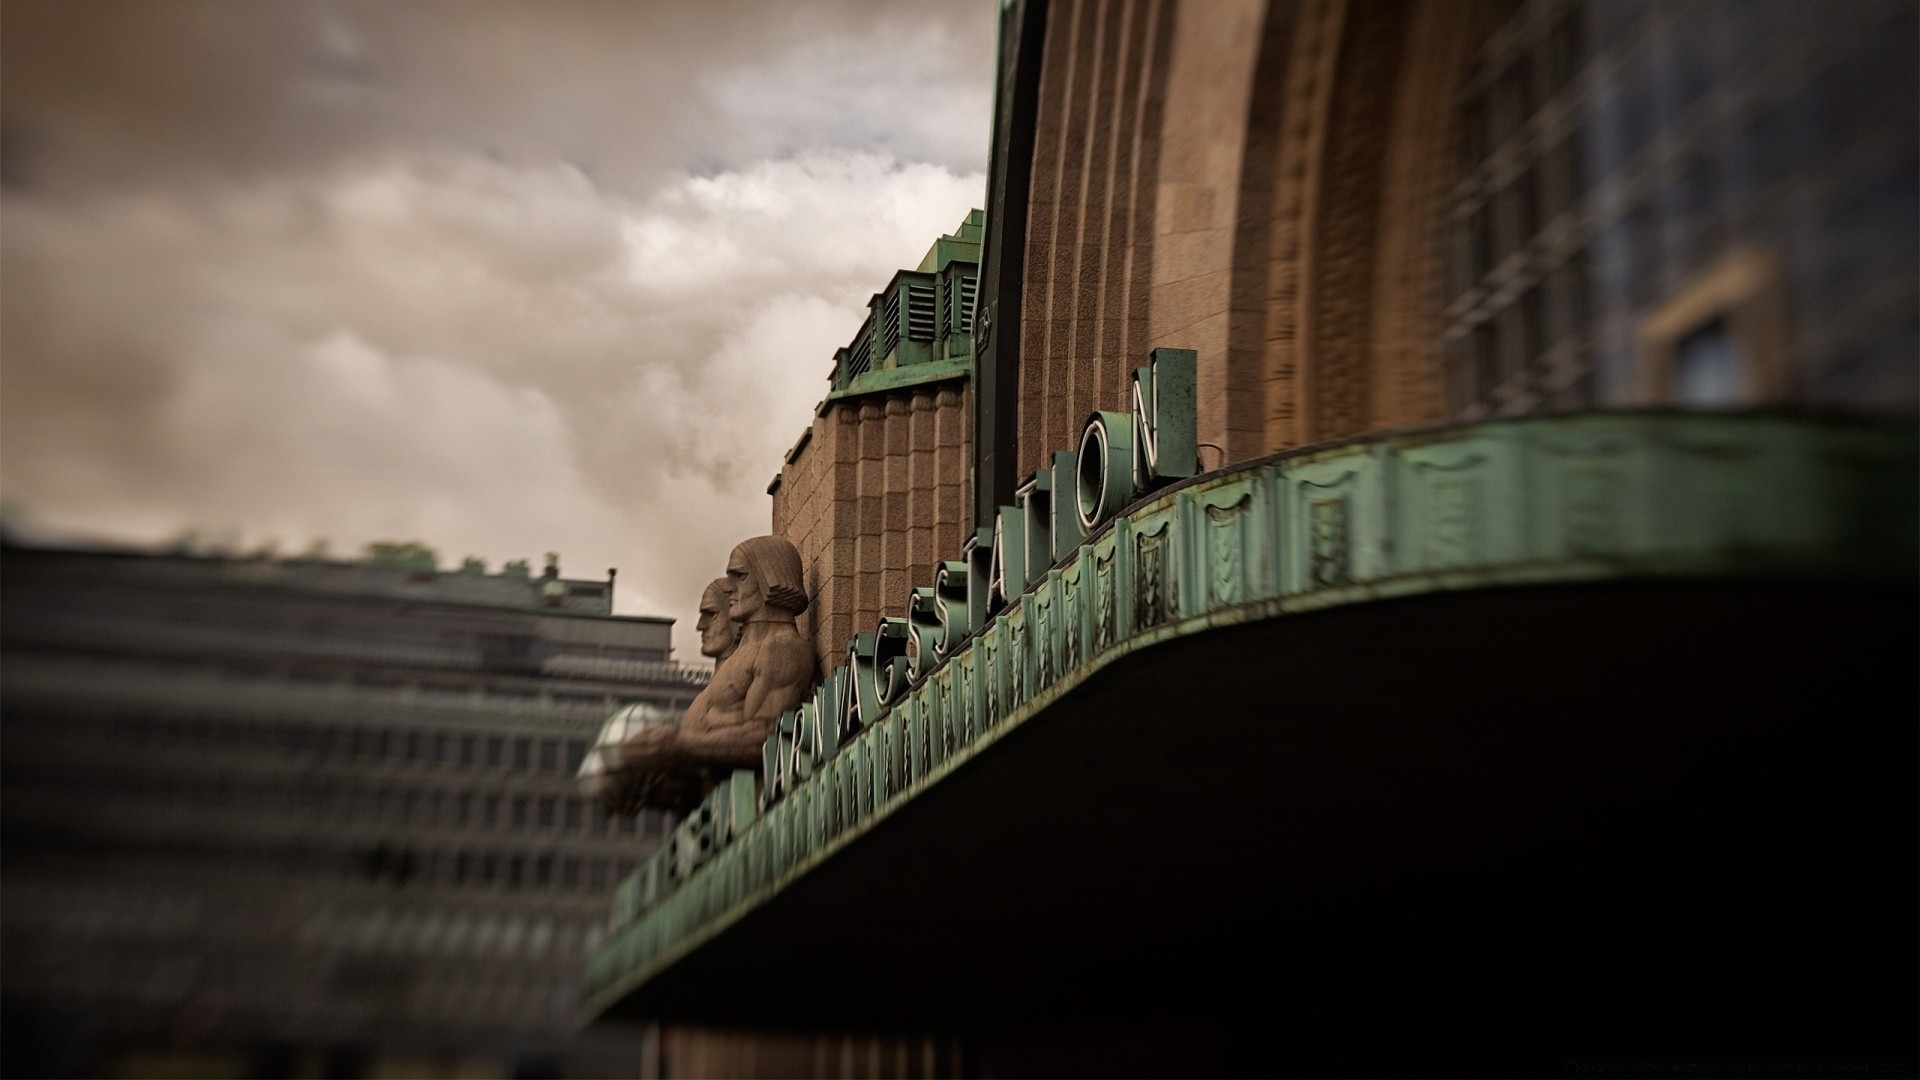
1104 469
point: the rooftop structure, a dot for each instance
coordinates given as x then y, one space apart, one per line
923 317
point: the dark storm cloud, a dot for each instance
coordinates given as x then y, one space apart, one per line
503 277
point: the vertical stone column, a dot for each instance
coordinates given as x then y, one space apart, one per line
843 486
1090 218
870 530
953 495
1209 85
894 506
921 481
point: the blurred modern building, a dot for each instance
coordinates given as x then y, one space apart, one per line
1524 684
308 817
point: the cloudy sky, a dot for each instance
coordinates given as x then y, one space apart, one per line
503 277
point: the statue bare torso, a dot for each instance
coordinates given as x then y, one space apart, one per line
765 668
769 673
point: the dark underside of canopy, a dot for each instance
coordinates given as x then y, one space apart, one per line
1538 830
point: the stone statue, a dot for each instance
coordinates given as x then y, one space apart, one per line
719 635
764 668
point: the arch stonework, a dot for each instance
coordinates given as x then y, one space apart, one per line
1259 181
1345 170
1091 215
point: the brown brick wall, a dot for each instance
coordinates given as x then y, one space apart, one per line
877 496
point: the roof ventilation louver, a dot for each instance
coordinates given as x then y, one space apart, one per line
965 325
920 314
890 325
861 358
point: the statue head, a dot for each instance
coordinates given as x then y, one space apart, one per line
718 632
768 581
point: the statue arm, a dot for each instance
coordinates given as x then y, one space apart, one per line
714 733
781 681
737 745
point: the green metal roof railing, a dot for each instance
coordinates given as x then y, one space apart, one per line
1576 499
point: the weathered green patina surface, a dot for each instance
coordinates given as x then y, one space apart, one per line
1549 501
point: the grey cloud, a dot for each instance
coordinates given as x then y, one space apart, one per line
501 282
121 90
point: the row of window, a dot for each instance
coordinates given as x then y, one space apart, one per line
493 697
545 1004
362 745
332 799
511 870
431 808
455 933
489 998
465 690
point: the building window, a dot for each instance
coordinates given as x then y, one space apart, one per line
549 807
576 754
1707 374
469 746
1722 341
570 872
522 752
549 755
490 817
496 748
519 811
463 809
574 813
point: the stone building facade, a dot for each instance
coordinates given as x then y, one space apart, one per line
1365 215
300 817
1554 391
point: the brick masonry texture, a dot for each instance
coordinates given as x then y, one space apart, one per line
877 495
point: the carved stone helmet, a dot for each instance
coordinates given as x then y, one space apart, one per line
776 563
